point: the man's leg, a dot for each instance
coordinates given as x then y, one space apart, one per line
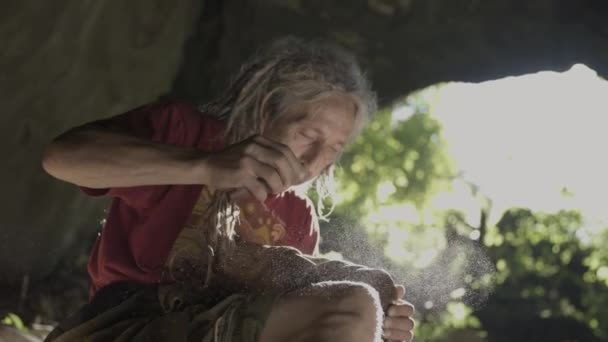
326 312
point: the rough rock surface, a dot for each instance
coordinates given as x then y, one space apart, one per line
64 63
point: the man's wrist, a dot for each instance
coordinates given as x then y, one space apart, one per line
196 168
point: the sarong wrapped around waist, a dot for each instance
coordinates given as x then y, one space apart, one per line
175 312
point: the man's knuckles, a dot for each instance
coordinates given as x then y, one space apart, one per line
399 323
404 309
398 335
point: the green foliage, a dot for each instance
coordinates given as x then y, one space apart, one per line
455 323
12 319
404 160
549 284
544 274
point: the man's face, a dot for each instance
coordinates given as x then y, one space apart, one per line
320 134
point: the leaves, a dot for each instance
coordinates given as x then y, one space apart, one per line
549 270
394 161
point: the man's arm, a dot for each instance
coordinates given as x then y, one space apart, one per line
101 155
281 269
156 145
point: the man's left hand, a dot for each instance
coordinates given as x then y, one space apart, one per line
398 323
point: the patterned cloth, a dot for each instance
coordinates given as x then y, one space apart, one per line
134 312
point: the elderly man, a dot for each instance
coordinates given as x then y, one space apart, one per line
206 239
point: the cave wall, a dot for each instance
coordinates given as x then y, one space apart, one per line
67 62
64 63
404 45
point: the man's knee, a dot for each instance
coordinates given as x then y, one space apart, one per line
354 310
331 311
357 298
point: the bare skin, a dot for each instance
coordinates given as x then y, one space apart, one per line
325 312
98 155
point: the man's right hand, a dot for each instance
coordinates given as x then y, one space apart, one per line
257 166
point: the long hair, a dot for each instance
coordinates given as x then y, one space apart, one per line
288 71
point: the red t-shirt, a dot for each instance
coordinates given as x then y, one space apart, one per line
144 221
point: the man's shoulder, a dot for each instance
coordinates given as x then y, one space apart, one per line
194 125
190 111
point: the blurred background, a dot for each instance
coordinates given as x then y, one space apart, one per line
480 184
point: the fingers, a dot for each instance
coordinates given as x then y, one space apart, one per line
256 164
400 291
398 335
239 194
257 167
399 323
282 157
403 309
269 176
398 328
257 189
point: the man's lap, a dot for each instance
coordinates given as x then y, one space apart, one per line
132 312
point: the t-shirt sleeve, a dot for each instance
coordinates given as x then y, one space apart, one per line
163 122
